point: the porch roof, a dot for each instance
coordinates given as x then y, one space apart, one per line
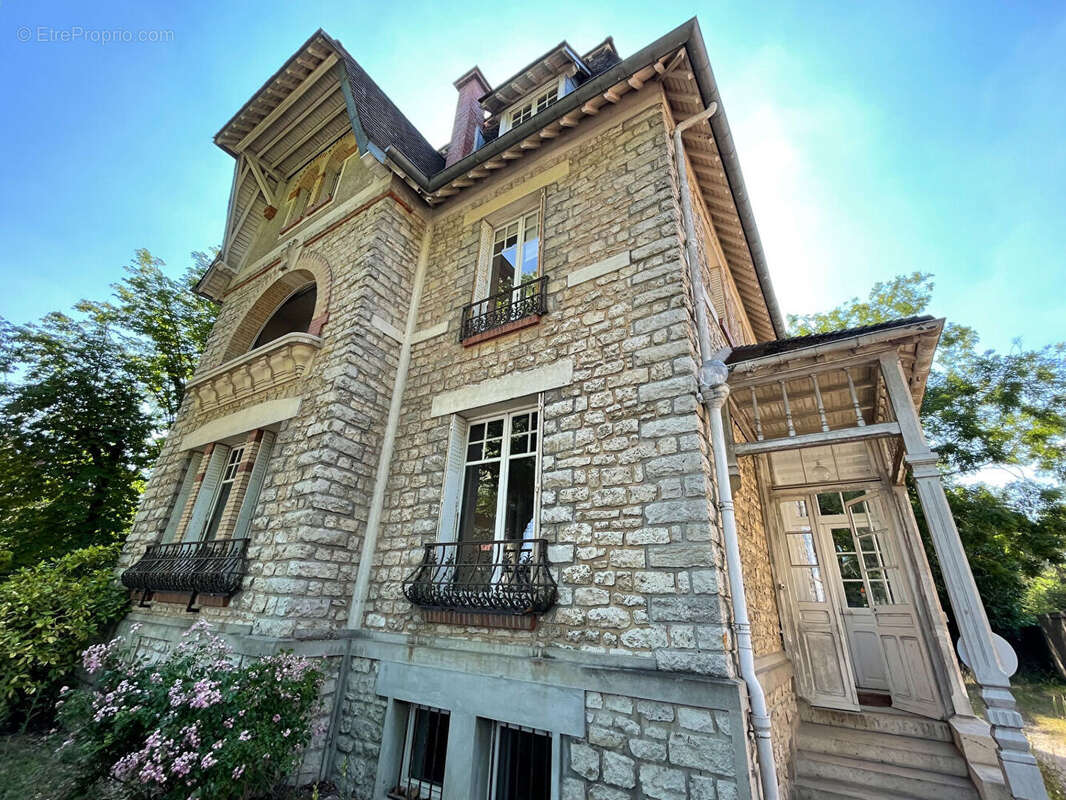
826 387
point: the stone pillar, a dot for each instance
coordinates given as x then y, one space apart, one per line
1019 766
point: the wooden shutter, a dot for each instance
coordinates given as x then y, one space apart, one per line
206 497
191 468
255 486
453 480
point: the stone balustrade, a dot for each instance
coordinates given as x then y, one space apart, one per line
280 361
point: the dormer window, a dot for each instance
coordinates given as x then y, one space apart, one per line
535 103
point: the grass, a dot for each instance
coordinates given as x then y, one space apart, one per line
30 770
1042 701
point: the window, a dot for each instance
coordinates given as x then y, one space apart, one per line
425 750
530 108
521 766
499 481
225 486
515 253
292 316
859 549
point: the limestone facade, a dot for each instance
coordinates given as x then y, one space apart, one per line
638 644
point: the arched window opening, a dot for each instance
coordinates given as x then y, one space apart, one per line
292 316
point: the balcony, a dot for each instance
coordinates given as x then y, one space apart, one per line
508 577
505 312
280 361
215 567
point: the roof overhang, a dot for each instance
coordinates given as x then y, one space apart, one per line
810 388
550 65
692 88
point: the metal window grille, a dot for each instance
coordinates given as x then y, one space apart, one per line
214 567
421 775
521 763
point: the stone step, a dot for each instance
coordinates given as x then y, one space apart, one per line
902 751
882 720
822 789
896 781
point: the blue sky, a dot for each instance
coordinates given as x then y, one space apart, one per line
876 138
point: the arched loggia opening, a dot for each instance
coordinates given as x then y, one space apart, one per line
294 315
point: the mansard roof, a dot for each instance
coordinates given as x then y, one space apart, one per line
371 112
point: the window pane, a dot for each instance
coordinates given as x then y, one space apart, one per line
801 548
830 503
880 593
477 521
492 448
477 432
520 423
473 452
495 428
809 584
216 513
523 765
429 746
518 520
849 567
519 444
843 541
855 592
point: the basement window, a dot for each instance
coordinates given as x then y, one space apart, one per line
521 767
422 771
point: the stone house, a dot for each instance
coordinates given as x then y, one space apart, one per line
510 434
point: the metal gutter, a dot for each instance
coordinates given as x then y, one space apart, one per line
701 68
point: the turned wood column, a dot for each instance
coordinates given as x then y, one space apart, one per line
1019 766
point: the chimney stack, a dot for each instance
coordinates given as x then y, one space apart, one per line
468 115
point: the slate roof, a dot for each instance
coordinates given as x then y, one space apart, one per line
750 352
384 123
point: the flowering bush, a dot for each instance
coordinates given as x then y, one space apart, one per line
194 725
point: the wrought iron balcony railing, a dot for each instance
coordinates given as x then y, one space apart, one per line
505 576
528 301
214 567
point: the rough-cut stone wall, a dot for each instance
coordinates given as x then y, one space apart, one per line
307 526
625 472
647 749
759 584
359 735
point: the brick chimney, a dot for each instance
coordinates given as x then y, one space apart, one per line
468 115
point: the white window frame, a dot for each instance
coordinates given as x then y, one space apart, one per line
504 458
522 220
427 790
507 120
494 756
229 474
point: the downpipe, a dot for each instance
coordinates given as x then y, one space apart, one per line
714 389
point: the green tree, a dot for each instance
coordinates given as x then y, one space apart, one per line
981 408
162 324
73 442
985 409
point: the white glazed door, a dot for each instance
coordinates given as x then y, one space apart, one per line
907 664
824 674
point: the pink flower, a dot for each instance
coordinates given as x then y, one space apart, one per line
245 736
276 718
237 772
208 761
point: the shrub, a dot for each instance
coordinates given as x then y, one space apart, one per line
191 725
48 614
